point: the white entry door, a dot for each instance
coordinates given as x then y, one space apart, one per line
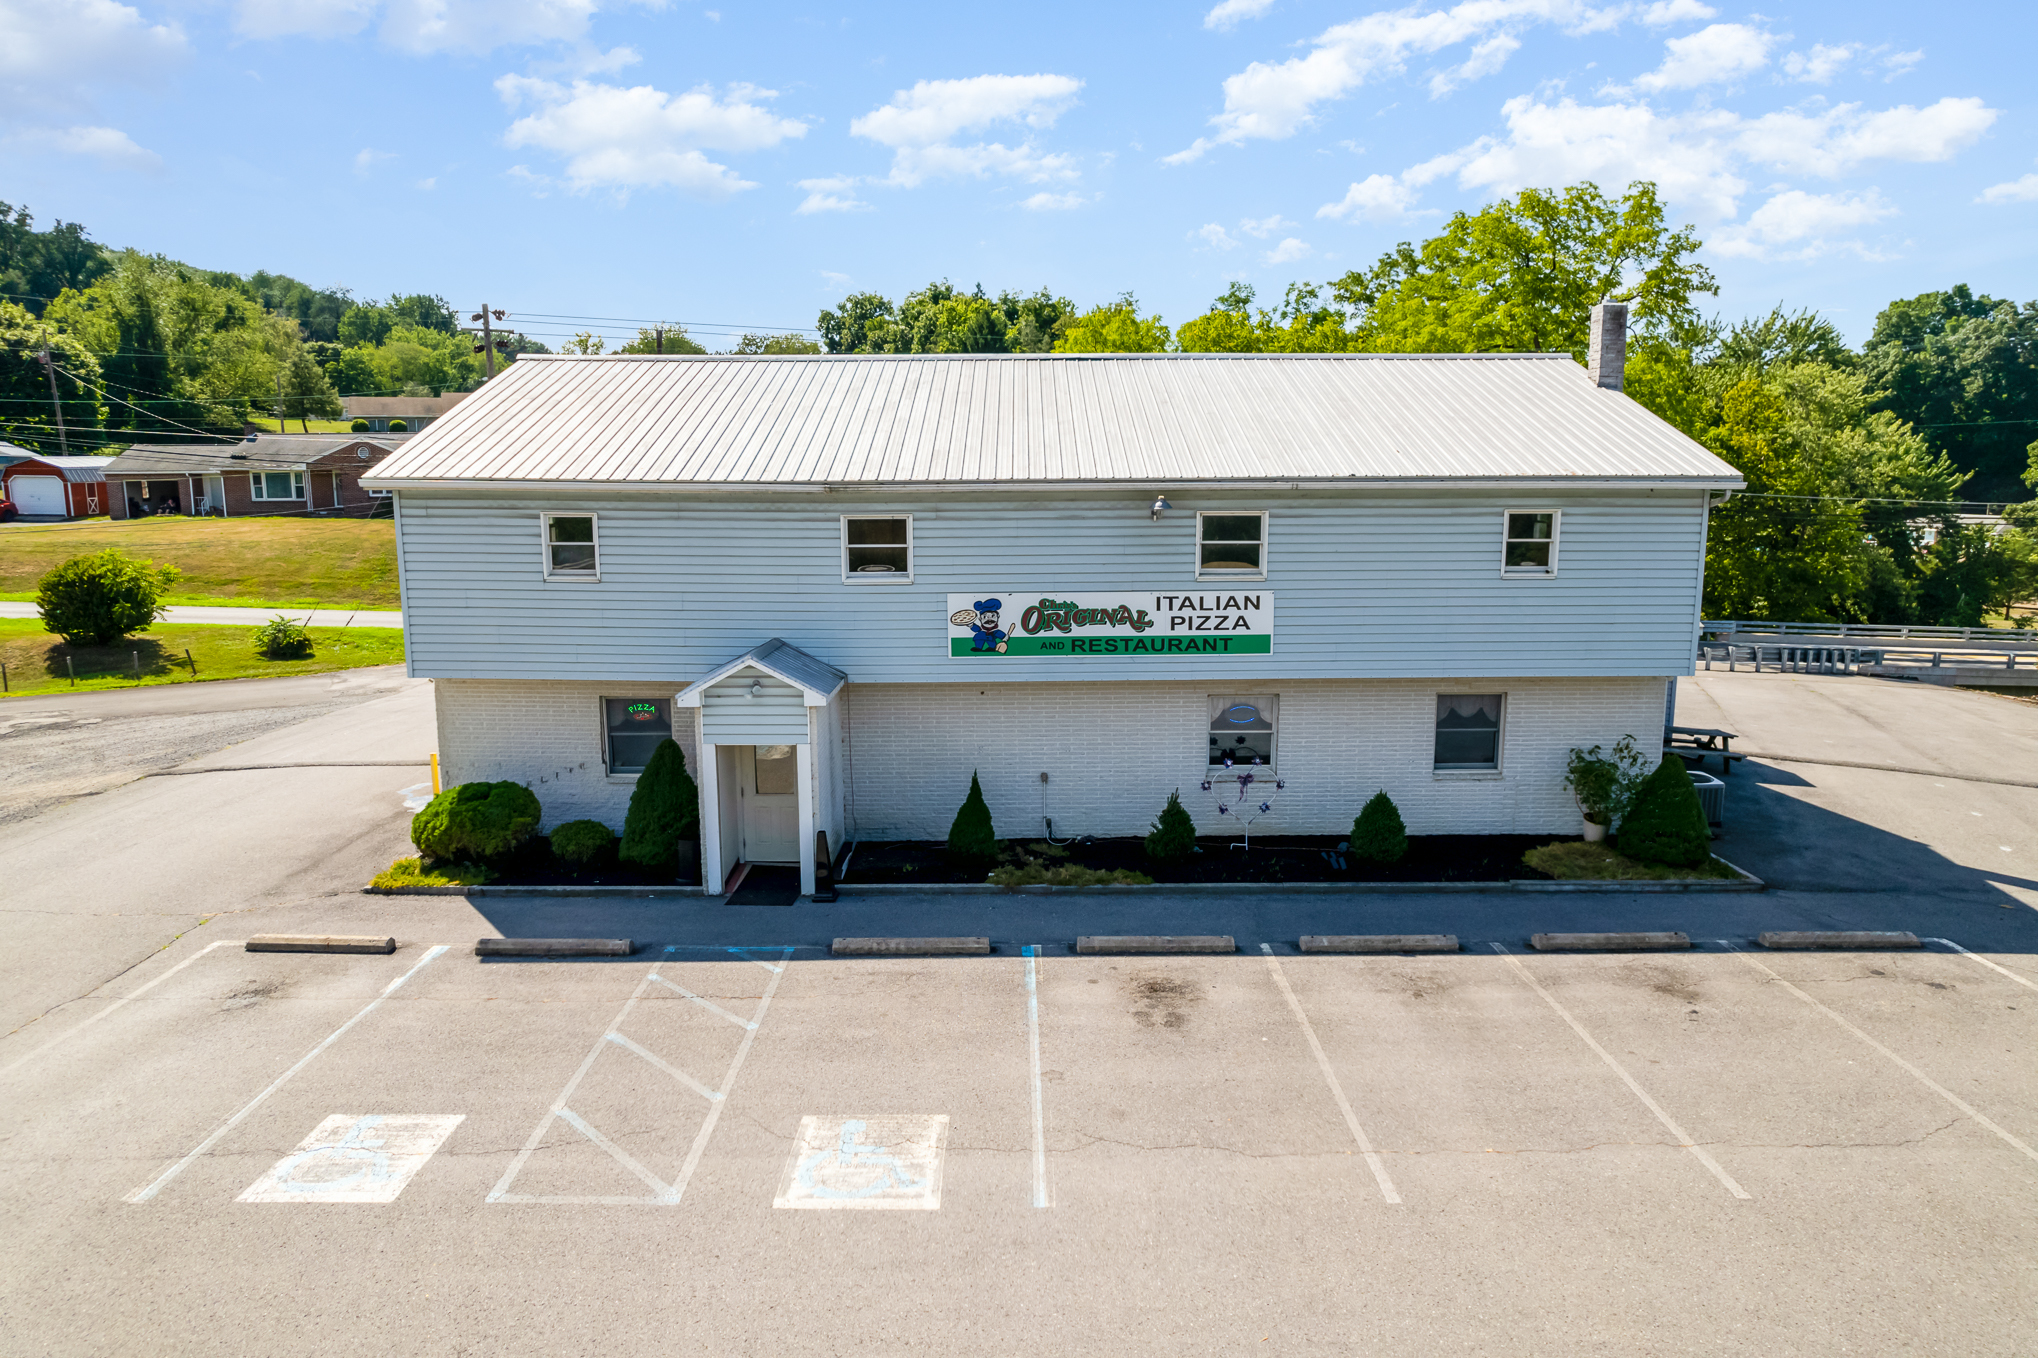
768 802
38 494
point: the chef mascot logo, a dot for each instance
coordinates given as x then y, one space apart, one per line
987 638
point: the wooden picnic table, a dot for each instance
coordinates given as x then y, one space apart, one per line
1699 741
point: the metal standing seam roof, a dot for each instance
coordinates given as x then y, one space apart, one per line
799 668
265 452
958 420
77 470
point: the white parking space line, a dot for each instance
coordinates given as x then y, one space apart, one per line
155 1187
1915 1073
2020 980
134 994
1683 1138
1033 1069
663 1194
1344 1105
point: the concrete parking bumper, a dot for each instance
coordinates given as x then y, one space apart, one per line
320 943
1379 943
554 947
1610 942
912 947
1837 938
1099 944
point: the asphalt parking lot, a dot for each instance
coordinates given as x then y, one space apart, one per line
1713 1152
733 1143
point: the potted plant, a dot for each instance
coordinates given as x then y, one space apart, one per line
1604 784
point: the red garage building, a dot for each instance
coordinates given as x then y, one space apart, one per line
52 487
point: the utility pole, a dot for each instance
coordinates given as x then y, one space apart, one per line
279 402
660 332
489 345
49 366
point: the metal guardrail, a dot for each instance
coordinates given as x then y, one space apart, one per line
1867 630
1851 659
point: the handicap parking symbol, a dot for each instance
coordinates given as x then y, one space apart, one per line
352 1157
886 1163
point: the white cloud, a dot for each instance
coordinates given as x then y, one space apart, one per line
1486 59
1666 12
429 184
423 26
1821 64
642 137
1214 237
1230 12
1832 141
918 124
834 194
1717 53
1376 198
835 280
1898 63
1288 251
1807 220
53 51
2023 190
1053 202
368 157
1264 226
108 145
1273 100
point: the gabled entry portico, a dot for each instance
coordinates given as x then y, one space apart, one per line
771 707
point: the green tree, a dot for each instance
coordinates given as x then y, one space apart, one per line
1522 274
425 311
97 599
26 415
37 266
1301 324
864 321
307 394
776 344
367 324
1115 328
674 341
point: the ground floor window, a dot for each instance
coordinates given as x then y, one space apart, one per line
277 485
1468 731
636 727
777 771
1242 730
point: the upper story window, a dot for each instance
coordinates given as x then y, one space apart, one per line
1242 731
877 549
1231 545
636 728
1529 546
277 485
572 551
1468 731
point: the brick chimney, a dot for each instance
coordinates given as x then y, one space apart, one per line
1606 359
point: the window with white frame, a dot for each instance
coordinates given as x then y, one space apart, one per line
572 549
877 549
276 485
634 729
1468 732
1242 729
1230 545
1529 542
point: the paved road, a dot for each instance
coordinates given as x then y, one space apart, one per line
250 617
1559 1144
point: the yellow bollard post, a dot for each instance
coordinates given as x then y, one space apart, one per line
435 774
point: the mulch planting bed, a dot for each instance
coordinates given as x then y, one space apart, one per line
532 864
1274 858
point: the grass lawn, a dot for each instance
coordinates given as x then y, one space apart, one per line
268 426
1576 862
299 563
35 660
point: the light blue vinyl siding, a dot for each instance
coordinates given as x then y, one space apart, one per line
1366 586
776 716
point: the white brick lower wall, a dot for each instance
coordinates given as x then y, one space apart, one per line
548 736
1114 750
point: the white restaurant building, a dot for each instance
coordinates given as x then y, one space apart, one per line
845 583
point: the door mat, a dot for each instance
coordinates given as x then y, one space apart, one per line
766 884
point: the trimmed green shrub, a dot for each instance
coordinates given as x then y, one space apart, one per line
281 639
1605 784
476 820
1378 835
664 809
1174 833
398 427
360 426
1666 824
971 838
581 842
95 600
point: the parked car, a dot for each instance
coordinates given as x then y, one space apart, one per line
8 513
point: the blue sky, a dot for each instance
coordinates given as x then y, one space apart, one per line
742 166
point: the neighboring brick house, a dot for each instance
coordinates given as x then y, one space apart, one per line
261 475
52 487
415 411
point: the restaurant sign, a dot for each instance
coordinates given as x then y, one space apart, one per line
1213 622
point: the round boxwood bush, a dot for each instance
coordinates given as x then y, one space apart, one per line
360 426
95 600
281 639
1666 824
581 842
475 820
398 427
1378 834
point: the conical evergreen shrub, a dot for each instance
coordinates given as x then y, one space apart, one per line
1378 834
1174 834
1666 824
664 809
971 838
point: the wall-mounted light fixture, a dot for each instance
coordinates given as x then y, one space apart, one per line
1160 506
756 689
